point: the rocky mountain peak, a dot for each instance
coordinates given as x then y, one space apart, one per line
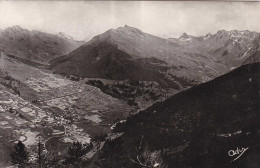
127 29
208 35
184 36
222 31
14 28
119 35
126 26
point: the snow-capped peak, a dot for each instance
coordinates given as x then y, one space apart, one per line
185 37
64 35
207 36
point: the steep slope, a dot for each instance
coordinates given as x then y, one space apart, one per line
35 45
255 57
195 128
128 53
233 47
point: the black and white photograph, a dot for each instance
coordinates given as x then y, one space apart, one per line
129 84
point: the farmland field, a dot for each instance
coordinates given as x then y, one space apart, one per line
49 106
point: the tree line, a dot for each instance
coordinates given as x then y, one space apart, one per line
49 159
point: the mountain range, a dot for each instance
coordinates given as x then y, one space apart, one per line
189 100
230 47
129 53
35 45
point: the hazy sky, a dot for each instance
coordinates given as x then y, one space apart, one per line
83 20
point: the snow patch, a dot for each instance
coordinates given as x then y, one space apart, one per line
186 39
243 56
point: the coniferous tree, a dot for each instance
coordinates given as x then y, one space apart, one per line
20 155
41 154
75 152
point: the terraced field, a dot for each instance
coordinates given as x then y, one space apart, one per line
54 108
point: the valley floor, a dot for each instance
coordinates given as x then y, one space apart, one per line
51 107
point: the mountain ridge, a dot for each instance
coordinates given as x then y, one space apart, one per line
34 45
138 44
230 47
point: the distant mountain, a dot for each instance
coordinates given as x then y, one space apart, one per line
232 48
35 45
194 128
186 39
65 36
129 53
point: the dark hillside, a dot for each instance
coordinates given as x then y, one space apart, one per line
197 127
